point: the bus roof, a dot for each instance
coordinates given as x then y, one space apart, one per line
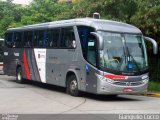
98 24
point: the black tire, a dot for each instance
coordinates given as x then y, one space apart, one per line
19 75
72 86
112 96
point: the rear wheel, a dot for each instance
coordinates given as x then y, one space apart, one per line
19 77
72 86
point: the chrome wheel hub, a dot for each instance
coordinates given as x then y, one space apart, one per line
73 85
19 76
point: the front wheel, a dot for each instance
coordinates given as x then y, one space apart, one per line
19 77
72 86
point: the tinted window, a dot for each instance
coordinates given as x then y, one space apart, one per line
9 39
91 50
35 39
68 38
55 36
84 35
40 39
1 51
48 39
27 39
17 39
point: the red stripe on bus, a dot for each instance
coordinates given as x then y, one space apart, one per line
1 64
114 77
26 67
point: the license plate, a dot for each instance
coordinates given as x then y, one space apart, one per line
127 90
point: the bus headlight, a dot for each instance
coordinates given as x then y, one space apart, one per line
102 78
145 80
109 80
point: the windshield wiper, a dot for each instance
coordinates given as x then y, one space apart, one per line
133 59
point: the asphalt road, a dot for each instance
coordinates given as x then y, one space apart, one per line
37 98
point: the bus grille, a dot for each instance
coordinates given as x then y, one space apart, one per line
128 83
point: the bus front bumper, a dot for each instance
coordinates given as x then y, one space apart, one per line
105 87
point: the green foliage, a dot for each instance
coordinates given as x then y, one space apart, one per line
154 86
147 17
141 13
6 16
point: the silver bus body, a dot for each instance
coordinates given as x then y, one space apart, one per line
53 66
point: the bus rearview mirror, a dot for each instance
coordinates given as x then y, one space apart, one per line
100 40
154 43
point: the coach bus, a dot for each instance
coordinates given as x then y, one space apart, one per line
92 55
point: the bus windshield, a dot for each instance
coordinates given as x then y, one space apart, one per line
123 52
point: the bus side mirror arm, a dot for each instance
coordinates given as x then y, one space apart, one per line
100 40
154 43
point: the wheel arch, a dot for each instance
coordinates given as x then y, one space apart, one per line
72 72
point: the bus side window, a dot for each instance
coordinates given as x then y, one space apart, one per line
8 40
17 40
48 38
87 43
35 39
42 39
27 39
91 50
55 36
68 38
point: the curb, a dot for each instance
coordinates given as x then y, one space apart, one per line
152 94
